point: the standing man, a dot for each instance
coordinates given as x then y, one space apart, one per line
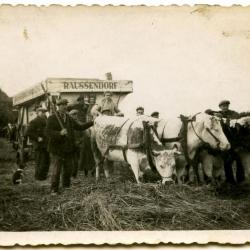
85 162
36 132
139 111
107 106
82 107
92 103
229 156
62 144
78 140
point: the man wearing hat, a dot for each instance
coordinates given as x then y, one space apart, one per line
85 154
229 156
60 130
36 133
155 114
139 111
78 139
224 111
82 107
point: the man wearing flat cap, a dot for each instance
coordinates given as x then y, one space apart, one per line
36 133
224 111
82 107
78 140
229 156
60 130
85 162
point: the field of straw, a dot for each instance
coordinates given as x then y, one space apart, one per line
121 205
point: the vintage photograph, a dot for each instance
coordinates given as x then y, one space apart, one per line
124 124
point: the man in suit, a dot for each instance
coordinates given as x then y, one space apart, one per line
61 133
36 133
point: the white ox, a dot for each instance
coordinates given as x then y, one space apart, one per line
203 129
120 139
213 165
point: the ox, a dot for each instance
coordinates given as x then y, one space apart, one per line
190 134
238 132
134 141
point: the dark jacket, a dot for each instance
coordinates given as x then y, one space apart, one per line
63 145
228 115
36 129
82 111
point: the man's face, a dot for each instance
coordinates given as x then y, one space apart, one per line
108 95
140 112
62 107
81 101
74 116
224 107
41 113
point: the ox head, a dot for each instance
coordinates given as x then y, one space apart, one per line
165 163
161 159
212 133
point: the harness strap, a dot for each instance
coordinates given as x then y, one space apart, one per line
216 139
173 139
163 130
209 131
123 148
148 146
120 129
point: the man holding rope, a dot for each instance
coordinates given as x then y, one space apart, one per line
61 146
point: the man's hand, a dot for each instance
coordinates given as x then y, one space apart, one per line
63 132
39 139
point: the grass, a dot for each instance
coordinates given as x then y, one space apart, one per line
121 205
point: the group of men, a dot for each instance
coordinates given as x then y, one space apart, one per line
140 111
62 141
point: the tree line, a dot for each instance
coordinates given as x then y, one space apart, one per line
6 110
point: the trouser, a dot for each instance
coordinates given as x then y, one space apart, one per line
60 166
42 164
86 158
75 163
229 157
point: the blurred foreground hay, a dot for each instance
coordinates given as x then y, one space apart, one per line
121 205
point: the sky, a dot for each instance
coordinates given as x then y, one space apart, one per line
181 60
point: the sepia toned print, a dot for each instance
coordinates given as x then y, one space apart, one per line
124 125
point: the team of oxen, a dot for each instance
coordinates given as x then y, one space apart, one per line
173 148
